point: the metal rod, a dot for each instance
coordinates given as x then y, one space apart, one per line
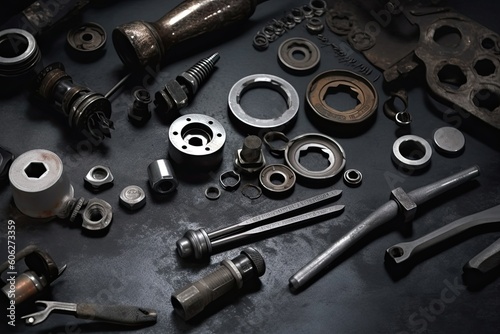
117 86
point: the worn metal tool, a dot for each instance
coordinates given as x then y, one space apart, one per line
141 44
405 251
405 203
200 243
118 314
483 266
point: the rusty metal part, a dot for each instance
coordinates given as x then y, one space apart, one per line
340 23
232 274
99 178
250 158
162 179
299 54
142 44
411 152
133 198
140 112
277 179
87 41
226 184
86 110
400 202
400 116
335 81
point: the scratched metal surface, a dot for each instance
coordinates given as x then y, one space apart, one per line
135 263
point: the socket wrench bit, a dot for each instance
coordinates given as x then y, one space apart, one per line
405 203
141 44
194 297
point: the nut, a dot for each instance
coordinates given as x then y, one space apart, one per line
133 198
171 98
139 114
97 215
99 178
161 177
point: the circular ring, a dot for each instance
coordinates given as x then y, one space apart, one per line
276 136
342 81
361 40
264 81
260 42
89 39
212 193
196 141
299 46
411 151
315 26
289 21
270 33
245 190
230 174
277 179
297 14
315 142
318 6
308 11
391 111
353 177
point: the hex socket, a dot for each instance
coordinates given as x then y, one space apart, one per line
162 178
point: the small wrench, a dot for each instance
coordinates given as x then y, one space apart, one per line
118 314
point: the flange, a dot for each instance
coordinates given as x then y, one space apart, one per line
289 51
411 151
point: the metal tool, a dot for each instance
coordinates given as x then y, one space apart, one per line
200 243
483 266
118 314
405 203
405 251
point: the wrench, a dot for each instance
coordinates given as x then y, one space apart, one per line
483 266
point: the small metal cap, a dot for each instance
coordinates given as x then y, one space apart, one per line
133 197
449 141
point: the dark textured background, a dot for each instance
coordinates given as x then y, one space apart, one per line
135 263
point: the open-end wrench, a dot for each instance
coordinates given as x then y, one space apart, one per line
405 251
118 314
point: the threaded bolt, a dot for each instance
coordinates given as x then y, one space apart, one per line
193 78
193 298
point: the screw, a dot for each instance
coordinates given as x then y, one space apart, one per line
193 298
139 114
251 148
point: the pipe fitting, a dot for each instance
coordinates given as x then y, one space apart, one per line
162 178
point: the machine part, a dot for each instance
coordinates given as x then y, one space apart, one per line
318 6
117 314
133 198
299 54
411 152
6 159
196 141
250 158
86 110
178 93
277 179
300 146
162 179
400 116
42 271
315 26
88 41
342 81
268 81
20 59
270 140
260 42
118 85
289 21
297 14
198 243
140 113
482 267
404 252
279 27
307 11
97 215
232 274
40 187
247 191
361 40
449 141
99 178
345 56
79 204
212 193
269 32
142 44
341 23
383 214
230 185
353 177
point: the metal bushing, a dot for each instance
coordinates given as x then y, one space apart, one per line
318 6
308 11
20 59
87 41
230 180
275 83
277 179
39 185
162 178
133 198
196 141
411 152
98 178
260 42
315 143
299 54
353 177
97 215
315 26
335 81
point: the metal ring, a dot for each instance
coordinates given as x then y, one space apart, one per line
321 144
278 179
308 11
245 191
353 177
260 42
89 39
274 136
231 174
318 6
212 193
315 26
291 47
400 117
297 14
264 81
411 151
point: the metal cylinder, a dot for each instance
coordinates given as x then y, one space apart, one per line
162 178
39 185
26 285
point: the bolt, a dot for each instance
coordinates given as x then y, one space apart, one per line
250 158
194 297
139 114
178 93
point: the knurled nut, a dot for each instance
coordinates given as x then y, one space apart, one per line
256 259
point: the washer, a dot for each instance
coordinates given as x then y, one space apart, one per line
411 152
449 141
281 86
289 49
246 190
277 179
87 40
212 193
353 177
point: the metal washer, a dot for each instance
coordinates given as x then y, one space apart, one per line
411 145
89 39
282 173
302 46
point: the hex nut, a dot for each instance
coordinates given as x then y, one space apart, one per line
162 178
97 215
99 178
133 198
171 98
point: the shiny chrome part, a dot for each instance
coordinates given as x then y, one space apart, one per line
353 177
133 198
411 151
97 215
449 141
99 178
162 178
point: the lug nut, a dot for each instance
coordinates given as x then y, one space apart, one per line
193 298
